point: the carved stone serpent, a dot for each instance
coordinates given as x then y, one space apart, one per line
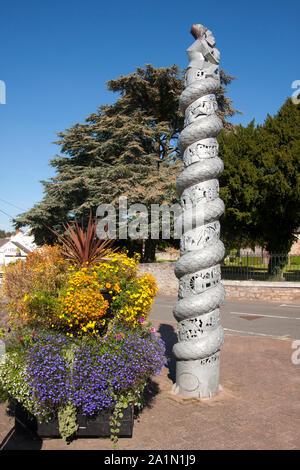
200 333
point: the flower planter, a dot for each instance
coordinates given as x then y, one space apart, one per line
88 426
83 353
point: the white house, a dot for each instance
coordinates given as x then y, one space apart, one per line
16 247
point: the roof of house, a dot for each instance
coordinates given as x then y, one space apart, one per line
22 247
19 245
3 241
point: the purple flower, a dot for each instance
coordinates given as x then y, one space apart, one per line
89 373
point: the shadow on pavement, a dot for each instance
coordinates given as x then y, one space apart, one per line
150 392
20 441
169 337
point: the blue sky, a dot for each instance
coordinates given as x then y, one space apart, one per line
57 55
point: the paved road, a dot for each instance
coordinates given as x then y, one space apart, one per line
274 320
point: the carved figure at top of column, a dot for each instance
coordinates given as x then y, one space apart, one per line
204 57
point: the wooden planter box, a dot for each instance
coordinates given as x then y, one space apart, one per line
89 426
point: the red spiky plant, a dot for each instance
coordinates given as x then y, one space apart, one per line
83 247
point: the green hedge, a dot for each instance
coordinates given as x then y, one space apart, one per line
295 260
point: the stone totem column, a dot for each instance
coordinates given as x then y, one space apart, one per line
200 334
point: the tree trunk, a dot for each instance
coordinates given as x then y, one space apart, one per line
276 265
278 249
149 253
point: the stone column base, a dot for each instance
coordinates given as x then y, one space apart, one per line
198 378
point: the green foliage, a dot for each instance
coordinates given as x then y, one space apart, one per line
12 380
125 400
252 261
4 234
239 186
295 260
67 423
260 184
4 396
279 188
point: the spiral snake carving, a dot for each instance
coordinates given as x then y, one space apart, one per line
200 334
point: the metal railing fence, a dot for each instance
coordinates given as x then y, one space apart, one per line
261 267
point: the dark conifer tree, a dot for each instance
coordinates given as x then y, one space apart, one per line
128 149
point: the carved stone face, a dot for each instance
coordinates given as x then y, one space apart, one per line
204 106
207 148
